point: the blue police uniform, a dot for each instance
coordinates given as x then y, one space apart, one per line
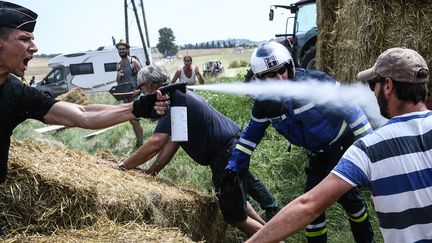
325 131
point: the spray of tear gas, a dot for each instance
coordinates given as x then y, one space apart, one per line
319 93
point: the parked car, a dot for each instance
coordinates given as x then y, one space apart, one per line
213 68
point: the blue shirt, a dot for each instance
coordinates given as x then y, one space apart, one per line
208 130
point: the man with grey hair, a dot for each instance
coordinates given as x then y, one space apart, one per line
395 161
211 138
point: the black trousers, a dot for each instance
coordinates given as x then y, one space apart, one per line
233 200
259 192
320 165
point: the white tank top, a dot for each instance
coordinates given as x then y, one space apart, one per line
184 79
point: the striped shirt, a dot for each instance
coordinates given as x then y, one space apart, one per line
395 162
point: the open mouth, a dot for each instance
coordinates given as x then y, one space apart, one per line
26 61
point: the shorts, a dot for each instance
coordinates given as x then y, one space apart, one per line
232 195
232 199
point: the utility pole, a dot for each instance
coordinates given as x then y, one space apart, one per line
141 34
145 24
126 21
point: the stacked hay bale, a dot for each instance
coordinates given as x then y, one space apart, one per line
50 188
108 231
75 95
352 33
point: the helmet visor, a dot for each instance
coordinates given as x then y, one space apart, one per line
273 74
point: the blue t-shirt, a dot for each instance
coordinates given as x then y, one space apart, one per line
208 130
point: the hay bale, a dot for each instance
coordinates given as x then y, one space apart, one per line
75 95
352 33
108 231
106 154
52 187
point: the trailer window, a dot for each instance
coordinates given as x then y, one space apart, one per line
82 68
54 76
110 67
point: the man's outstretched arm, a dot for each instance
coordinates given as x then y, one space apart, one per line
302 210
97 116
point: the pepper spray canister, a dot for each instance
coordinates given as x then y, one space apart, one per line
178 111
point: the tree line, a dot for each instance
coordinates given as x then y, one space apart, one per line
167 47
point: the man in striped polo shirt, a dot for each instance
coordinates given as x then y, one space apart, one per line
395 161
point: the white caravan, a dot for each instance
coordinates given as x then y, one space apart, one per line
90 71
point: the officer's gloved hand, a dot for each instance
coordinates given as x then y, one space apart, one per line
268 107
229 178
230 174
144 106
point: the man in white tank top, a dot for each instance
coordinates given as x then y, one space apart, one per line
188 74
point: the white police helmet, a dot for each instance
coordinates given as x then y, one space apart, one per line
271 56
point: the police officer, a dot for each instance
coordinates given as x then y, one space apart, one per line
324 132
19 102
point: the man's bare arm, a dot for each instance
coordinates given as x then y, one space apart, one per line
163 158
176 76
302 210
199 75
137 65
89 116
95 116
155 143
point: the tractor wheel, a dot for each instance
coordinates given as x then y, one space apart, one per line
248 76
308 60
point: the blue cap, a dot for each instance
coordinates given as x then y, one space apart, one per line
16 16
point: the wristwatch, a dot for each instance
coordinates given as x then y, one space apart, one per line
121 166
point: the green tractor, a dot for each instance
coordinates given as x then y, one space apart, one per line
301 39
213 68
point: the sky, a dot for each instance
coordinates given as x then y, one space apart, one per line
67 26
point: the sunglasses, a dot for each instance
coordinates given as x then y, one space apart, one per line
273 74
374 81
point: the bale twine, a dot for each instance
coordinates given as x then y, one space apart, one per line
50 188
362 29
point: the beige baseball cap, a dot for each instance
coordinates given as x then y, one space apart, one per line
399 64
